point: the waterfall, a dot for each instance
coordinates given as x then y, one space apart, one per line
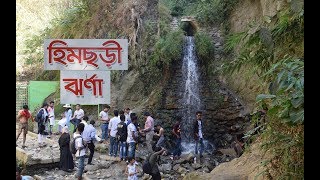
191 101
191 98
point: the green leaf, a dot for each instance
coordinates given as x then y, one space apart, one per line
290 86
280 76
296 102
297 117
264 96
273 111
284 113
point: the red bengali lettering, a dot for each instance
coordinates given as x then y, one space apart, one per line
90 57
94 82
57 52
111 57
77 86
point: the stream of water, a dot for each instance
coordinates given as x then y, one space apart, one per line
191 97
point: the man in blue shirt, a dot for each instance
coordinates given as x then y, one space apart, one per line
88 136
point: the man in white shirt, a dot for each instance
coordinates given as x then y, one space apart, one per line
113 125
132 136
104 119
51 116
77 116
127 113
81 150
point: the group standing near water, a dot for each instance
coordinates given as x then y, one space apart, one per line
122 131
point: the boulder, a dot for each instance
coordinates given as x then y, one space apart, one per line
176 167
196 166
92 167
103 157
187 166
146 177
227 151
184 159
181 170
165 168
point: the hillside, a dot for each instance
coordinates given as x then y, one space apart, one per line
249 58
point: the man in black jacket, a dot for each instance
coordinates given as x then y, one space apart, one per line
198 133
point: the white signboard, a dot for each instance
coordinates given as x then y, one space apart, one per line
85 87
86 54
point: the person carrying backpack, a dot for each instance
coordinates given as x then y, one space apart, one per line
81 150
122 137
41 119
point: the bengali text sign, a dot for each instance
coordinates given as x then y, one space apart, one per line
85 87
86 54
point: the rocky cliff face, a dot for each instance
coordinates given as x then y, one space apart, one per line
245 84
221 108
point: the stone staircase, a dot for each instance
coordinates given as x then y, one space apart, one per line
174 23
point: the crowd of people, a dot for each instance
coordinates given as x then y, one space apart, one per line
122 132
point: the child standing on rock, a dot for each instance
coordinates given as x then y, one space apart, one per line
131 170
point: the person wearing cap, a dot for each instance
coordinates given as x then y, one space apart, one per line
68 114
148 130
23 116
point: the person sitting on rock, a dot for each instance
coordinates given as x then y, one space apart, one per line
77 116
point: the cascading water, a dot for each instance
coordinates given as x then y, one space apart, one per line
191 101
191 98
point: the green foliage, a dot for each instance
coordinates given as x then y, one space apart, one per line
274 52
168 48
204 46
165 20
288 102
177 11
206 11
284 133
213 11
73 22
232 40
